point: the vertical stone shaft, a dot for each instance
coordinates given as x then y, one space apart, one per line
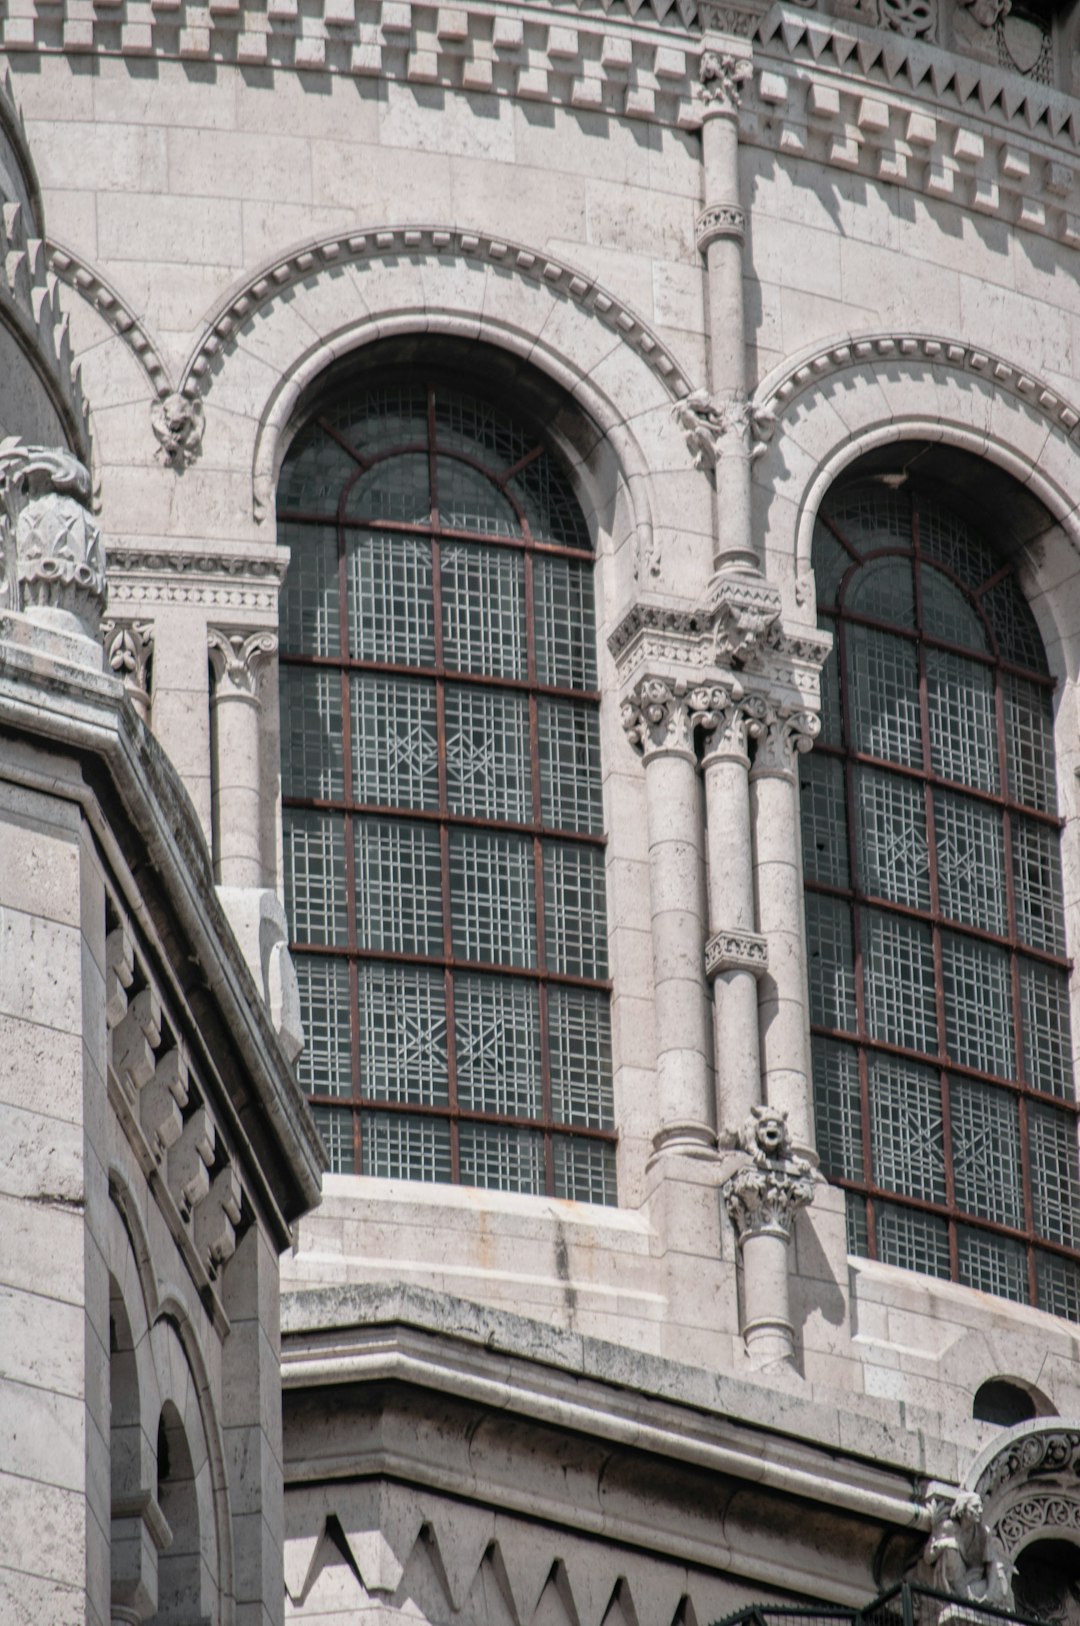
684 1105
731 912
725 64
782 995
235 713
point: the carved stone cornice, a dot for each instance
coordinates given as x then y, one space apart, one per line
236 657
722 75
736 951
129 650
52 559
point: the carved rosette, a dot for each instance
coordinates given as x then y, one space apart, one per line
710 425
763 1201
52 560
236 657
722 75
129 651
736 951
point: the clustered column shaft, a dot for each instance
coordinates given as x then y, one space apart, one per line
236 657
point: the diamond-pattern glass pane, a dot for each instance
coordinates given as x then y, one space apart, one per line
391 601
570 777
1059 1284
488 767
470 501
312 750
483 595
831 955
402 1146
948 614
1029 732
1055 1174
493 912
912 1239
502 1158
497 1021
377 419
838 1109
310 606
1044 1005
324 1066
871 516
1040 914
906 1128
978 1005
993 1264
398 887
403 1036
893 856
579 1027
464 423
883 590
883 694
335 1127
575 911
395 742
986 1152
584 1169
898 973
963 729
565 624
314 856
551 509
970 861
823 805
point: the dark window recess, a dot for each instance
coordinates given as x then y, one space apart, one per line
999 1401
943 1083
443 824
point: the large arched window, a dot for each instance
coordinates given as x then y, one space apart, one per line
443 826
939 995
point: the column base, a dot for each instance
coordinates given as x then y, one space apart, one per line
769 1340
687 1139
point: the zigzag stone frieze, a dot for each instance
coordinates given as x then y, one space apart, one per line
356 248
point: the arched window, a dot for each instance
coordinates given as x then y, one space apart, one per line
443 824
939 996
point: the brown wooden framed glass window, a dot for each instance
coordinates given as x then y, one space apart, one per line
939 984
442 811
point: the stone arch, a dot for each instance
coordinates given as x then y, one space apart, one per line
1029 1483
184 1588
836 402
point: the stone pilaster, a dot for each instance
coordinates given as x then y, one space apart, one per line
236 657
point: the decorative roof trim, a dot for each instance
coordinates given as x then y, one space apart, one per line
309 258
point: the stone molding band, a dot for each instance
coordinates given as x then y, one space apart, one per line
736 951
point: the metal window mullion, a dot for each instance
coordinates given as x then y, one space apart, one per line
348 840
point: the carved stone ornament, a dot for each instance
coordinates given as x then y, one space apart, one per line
788 734
178 424
716 17
707 423
720 220
966 1558
129 650
52 561
236 658
661 714
744 610
736 951
988 12
728 720
722 76
763 1197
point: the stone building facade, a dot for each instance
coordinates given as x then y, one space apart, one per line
538 611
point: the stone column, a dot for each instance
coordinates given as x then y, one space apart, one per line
782 998
236 658
762 1197
735 954
658 720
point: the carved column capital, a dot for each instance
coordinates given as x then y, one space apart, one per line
764 1195
729 721
657 718
788 734
722 75
52 559
713 426
129 651
236 657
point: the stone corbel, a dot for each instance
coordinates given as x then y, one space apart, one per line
134 1040
736 951
764 1201
52 559
119 974
762 1197
190 1161
162 1102
216 1219
129 650
743 611
178 423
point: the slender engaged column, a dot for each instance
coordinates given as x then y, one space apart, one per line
735 955
658 722
236 657
782 1006
762 1198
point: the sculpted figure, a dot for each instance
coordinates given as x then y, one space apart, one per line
764 1136
967 1559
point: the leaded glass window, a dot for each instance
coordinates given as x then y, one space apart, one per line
939 984
441 790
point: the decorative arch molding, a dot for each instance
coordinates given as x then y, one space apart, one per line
447 243
80 276
1029 1484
